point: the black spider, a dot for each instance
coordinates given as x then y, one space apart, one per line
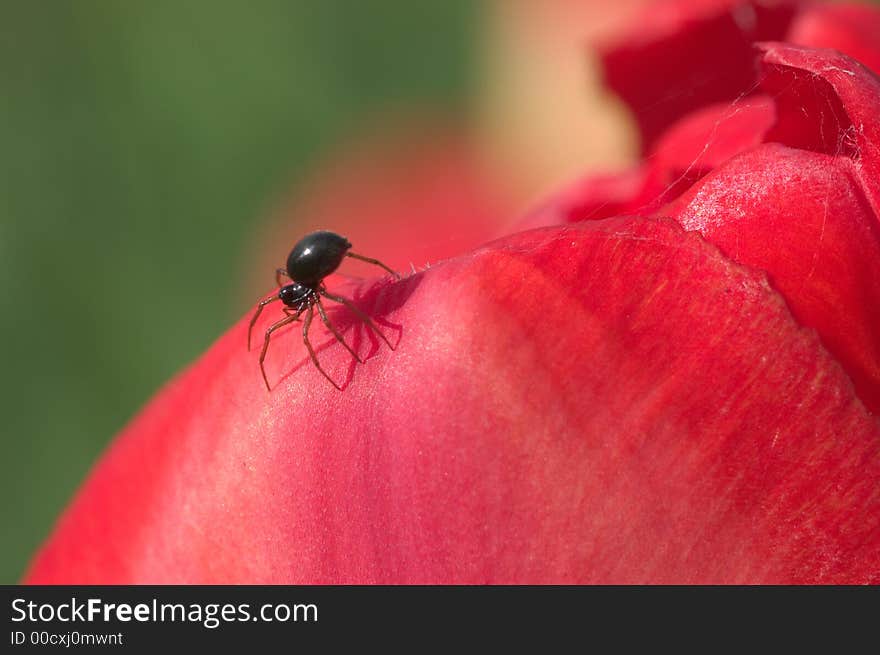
312 259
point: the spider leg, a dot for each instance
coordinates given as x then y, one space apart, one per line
279 272
370 260
366 319
262 304
326 320
284 321
306 323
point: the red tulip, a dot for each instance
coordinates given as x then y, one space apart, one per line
686 394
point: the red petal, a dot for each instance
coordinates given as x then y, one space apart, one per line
852 29
828 103
592 198
803 218
710 136
611 402
685 153
685 54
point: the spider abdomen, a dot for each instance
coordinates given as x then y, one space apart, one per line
315 257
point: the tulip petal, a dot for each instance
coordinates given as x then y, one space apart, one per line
614 401
591 198
829 103
685 153
854 29
802 217
708 137
685 54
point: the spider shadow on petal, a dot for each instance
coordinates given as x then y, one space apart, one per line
376 301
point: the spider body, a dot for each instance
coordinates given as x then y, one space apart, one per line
312 259
315 257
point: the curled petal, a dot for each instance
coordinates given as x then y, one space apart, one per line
829 103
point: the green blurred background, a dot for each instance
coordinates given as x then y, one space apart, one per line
141 143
